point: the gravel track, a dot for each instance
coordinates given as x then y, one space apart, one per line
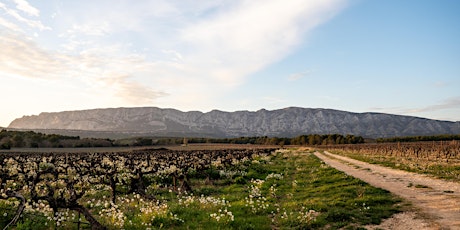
437 201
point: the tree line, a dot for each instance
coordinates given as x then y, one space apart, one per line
312 139
445 137
30 139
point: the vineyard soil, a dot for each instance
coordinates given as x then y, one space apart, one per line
437 200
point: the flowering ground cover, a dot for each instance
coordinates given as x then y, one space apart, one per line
164 189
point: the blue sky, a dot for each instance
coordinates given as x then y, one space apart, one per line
392 56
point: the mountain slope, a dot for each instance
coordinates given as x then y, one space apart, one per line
286 122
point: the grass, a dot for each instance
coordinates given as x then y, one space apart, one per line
302 193
292 190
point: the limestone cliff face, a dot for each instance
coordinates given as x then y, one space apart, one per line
284 122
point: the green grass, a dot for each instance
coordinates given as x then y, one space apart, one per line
337 200
341 200
30 220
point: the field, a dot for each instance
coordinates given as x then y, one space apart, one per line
233 188
440 159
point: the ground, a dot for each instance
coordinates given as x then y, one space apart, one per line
436 202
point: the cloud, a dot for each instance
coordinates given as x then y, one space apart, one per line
27 8
106 18
440 84
247 36
114 74
186 51
93 29
298 76
31 23
132 92
216 42
22 57
8 25
450 103
176 56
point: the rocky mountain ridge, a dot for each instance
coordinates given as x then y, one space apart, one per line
288 122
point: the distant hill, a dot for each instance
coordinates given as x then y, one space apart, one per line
288 122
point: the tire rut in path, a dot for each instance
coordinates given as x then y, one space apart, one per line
437 198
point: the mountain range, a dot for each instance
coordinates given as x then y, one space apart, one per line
287 122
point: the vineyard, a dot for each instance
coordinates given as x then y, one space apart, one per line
437 158
160 188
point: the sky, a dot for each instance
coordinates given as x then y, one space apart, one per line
392 56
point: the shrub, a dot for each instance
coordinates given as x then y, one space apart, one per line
5 146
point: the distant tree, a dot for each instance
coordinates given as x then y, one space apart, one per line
18 140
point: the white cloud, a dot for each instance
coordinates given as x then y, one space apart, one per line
216 42
176 56
21 57
108 18
447 109
94 29
446 104
449 103
132 92
182 54
8 25
298 76
111 74
31 23
249 35
26 7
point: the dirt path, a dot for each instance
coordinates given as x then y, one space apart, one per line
437 200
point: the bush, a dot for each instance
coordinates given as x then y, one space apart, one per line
5 146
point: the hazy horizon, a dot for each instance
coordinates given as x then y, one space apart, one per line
396 57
